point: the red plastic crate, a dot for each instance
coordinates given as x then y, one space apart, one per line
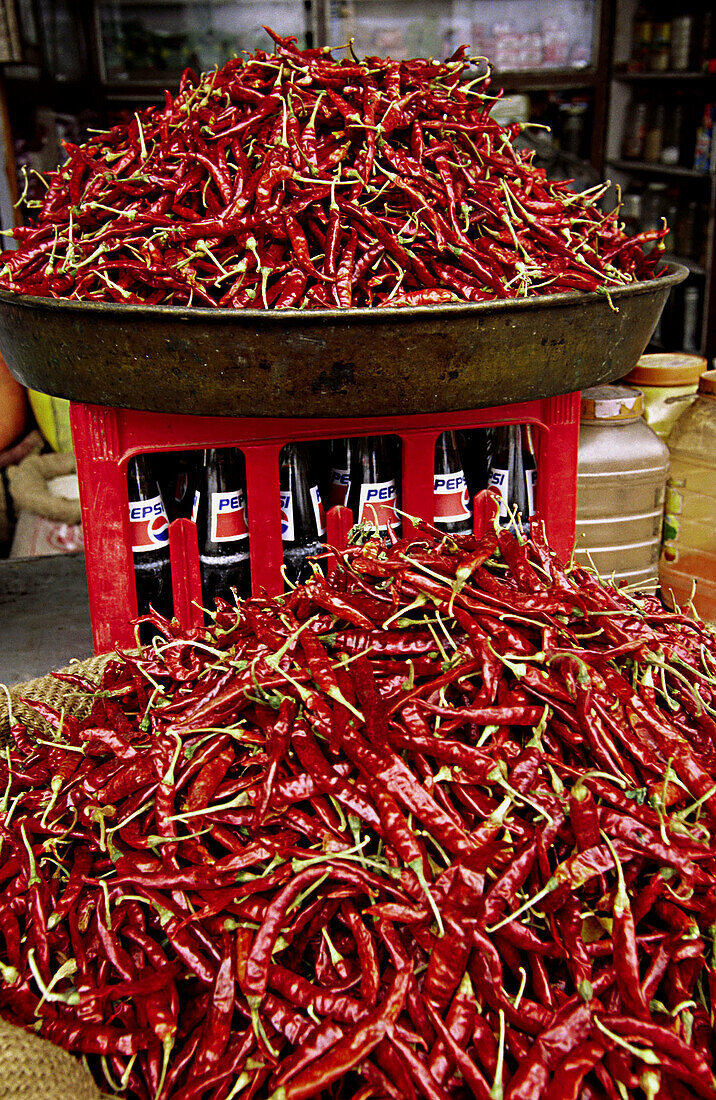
105 439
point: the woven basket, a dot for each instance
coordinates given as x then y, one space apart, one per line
31 1068
55 693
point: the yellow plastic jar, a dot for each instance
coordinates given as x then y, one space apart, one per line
689 551
669 381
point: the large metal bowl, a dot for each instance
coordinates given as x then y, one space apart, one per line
352 362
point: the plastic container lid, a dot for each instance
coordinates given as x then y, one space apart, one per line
667 369
707 383
611 403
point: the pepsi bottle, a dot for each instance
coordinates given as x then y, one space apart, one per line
453 513
222 526
149 528
513 474
183 497
373 493
340 479
474 446
303 523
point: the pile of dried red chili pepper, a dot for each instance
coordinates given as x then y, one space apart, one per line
439 825
293 179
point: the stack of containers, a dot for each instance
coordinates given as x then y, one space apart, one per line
668 381
621 480
689 551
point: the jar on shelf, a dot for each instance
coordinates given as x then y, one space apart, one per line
660 51
642 30
654 133
685 231
631 212
705 35
669 382
673 132
635 129
682 41
671 213
572 129
654 204
691 331
621 477
688 558
704 139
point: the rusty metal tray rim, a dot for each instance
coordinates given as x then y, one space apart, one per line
667 277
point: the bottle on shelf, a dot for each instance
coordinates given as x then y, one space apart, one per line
671 213
672 132
704 139
660 47
303 523
453 513
149 526
642 32
222 526
685 234
705 39
635 128
654 133
373 493
654 205
682 41
631 212
691 338
513 473
573 127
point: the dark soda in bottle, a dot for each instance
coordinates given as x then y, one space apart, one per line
222 526
513 473
474 446
453 513
373 494
149 528
303 523
184 496
340 479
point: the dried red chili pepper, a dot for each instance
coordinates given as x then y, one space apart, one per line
390 845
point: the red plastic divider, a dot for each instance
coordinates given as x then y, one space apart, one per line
105 438
186 575
339 521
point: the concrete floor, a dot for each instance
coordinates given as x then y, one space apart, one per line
44 615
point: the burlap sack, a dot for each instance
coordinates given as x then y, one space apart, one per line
47 689
28 485
11 457
31 1068
15 454
5 521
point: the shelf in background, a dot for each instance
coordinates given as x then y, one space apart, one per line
543 80
668 170
532 80
181 3
694 267
672 76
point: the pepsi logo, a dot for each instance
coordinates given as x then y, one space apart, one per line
158 529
